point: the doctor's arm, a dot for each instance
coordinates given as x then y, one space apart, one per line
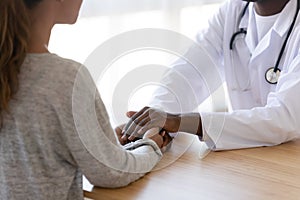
149 118
275 123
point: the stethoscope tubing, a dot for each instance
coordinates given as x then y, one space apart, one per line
276 68
244 31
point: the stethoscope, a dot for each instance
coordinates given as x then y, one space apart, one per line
272 74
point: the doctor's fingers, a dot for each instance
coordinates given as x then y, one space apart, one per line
166 138
133 116
149 114
129 114
135 125
141 130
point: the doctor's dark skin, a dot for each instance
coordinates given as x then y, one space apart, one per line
268 7
148 118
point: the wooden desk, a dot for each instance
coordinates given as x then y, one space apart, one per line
259 173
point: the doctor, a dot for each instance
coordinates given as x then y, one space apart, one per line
256 45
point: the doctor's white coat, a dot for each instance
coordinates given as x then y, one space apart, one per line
263 114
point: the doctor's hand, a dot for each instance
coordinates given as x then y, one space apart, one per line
161 138
149 118
151 134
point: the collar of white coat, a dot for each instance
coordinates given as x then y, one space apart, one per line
280 27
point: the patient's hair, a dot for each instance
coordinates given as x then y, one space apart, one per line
14 38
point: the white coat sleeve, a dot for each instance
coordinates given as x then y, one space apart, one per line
273 124
197 74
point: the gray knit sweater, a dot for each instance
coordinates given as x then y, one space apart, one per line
57 130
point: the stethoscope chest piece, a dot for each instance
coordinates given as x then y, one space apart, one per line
272 75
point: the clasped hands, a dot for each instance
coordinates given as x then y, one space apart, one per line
148 123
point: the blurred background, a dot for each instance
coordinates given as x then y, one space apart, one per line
100 20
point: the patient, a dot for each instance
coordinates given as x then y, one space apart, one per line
48 134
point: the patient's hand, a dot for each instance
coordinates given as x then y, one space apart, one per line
122 140
162 138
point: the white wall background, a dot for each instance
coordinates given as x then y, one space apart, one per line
102 19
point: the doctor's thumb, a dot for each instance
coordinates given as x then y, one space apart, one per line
129 114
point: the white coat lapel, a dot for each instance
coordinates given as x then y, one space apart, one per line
276 34
251 37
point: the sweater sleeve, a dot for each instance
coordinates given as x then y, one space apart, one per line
93 143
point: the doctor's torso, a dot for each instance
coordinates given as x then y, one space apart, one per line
246 64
